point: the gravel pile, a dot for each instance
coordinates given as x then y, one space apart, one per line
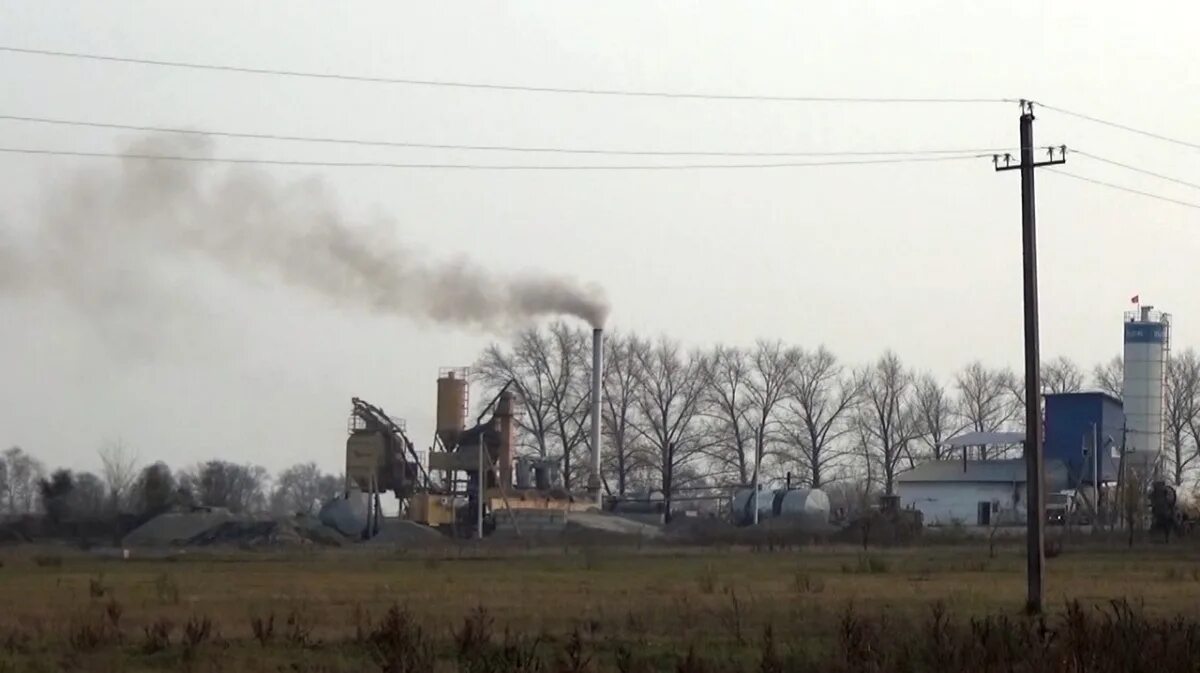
611 523
395 532
176 528
265 534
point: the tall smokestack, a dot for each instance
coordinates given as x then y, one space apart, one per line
597 372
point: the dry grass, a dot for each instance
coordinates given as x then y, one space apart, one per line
567 608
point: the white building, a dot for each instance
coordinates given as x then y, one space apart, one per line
972 492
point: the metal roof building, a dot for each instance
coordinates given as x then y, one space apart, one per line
973 492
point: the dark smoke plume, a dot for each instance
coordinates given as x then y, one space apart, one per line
102 233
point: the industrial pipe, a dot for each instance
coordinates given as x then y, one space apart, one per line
597 373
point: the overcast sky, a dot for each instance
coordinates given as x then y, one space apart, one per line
920 258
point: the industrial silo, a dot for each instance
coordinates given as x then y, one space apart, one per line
1147 345
806 509
451 405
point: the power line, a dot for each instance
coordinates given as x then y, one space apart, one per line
491 86
480 167
1135 169
1123 127
1123 188
493 148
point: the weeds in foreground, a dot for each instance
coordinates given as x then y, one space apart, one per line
399 645
806 583
157 635
85 634
166 589
867 565
299 629
1174 574
196 632
263 628
48 561
707 581
96 587
1110 638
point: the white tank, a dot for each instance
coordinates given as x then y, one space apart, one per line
742 507
808 508
1147 342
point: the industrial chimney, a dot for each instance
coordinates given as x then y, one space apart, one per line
594 486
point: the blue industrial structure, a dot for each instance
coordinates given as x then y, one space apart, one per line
1073 422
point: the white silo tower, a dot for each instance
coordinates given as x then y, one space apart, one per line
1147 347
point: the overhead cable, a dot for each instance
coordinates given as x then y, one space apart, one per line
478 167
1135 169
1123 188
490 148
493 86
1123 127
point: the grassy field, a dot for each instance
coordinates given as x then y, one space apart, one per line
328 611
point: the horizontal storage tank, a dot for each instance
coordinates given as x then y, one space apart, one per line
743 506
807 508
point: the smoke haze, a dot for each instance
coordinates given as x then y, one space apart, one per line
116 239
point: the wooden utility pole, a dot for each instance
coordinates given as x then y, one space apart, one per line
1035 487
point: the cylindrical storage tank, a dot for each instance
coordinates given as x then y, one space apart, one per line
743 506
554 474
524 473
806 508
451 406
1147 341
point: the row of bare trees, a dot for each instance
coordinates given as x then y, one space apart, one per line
123 486
675 418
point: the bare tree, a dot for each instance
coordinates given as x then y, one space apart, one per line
1109 377
672 394
569 400
524 370
887 418
119 465
1061 375
89 497
986 398
821 400
622 354
1181 411
773 369
728 405
301 489
23 473
239 488
936 417
549 370
155 490
55 494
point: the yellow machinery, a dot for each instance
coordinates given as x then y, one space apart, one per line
468 479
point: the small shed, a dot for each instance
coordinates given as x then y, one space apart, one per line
972 492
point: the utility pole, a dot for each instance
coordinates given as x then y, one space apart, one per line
1035 486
